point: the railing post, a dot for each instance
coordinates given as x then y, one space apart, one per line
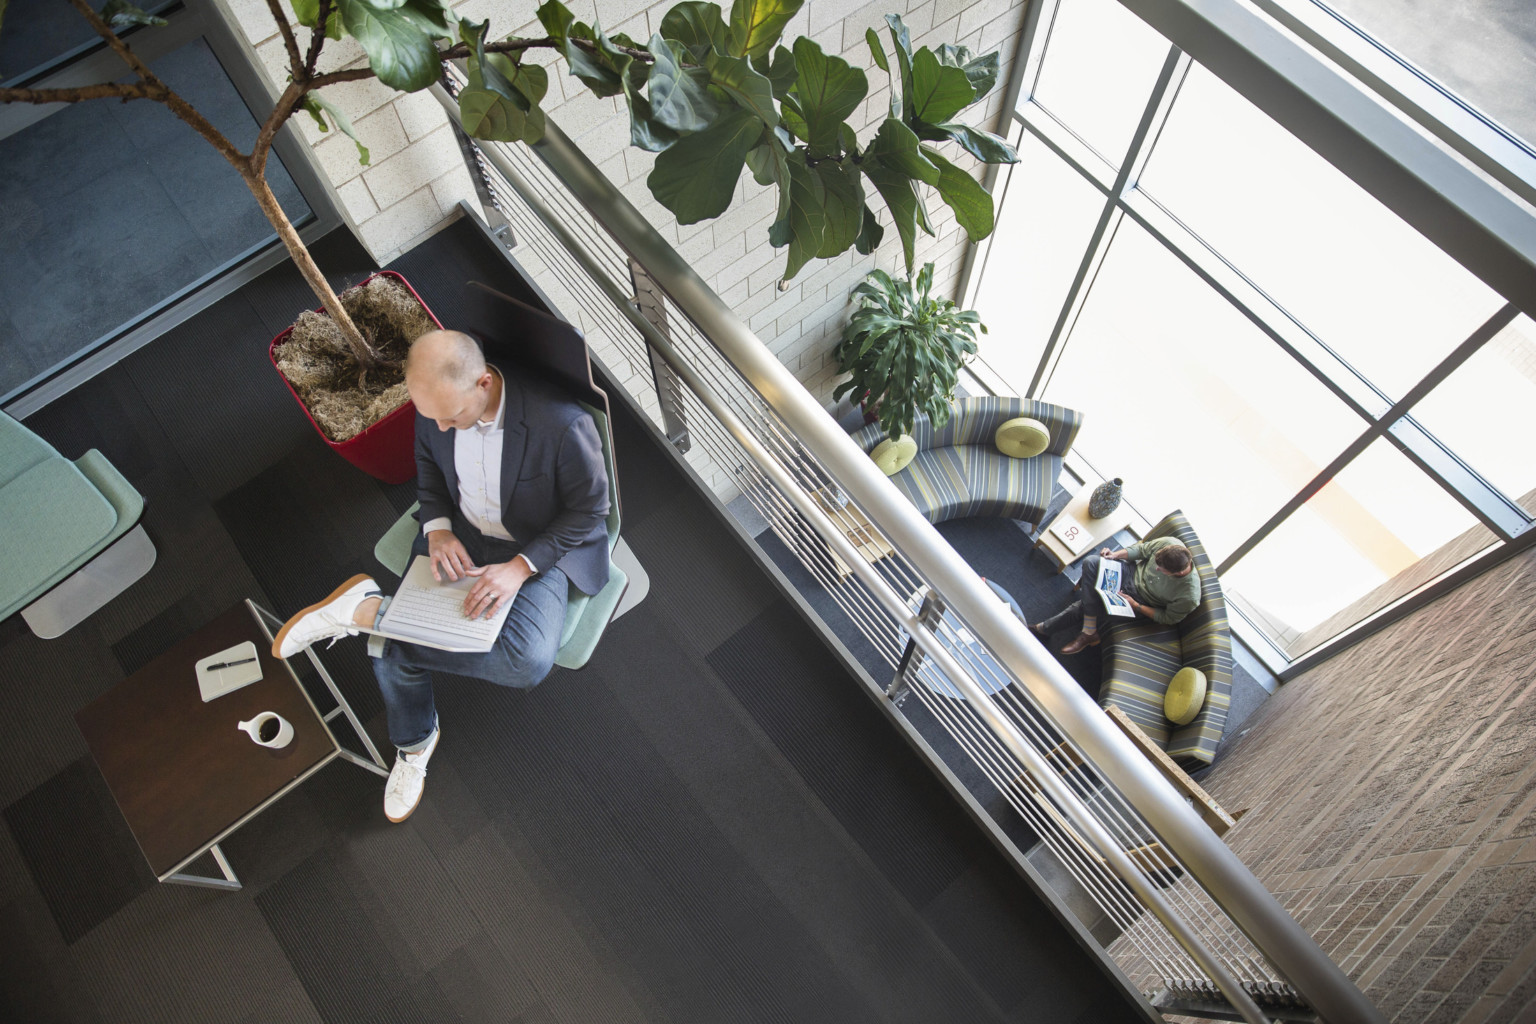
479 174
652 305
931 612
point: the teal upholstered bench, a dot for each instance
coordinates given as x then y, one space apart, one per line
1141 657
56 518
959 472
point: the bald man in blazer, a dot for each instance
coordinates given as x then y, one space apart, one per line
514 494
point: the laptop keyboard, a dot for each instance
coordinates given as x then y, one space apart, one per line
442 610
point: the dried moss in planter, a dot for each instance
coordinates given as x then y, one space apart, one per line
320 366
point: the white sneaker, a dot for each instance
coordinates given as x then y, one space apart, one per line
407 779
330 619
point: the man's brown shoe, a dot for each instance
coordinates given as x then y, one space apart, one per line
1082 641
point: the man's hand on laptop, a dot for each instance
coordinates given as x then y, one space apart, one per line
497 585
449 559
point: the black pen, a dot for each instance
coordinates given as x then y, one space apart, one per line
226 664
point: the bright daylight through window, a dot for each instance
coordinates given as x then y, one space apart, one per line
1246 328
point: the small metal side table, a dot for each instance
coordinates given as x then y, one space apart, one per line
183 775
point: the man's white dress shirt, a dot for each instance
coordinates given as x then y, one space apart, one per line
477 461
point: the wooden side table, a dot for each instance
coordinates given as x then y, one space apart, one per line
183 775
1100 530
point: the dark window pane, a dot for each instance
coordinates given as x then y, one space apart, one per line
113 207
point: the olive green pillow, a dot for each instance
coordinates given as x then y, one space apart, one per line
1185 696
1022 438
892 456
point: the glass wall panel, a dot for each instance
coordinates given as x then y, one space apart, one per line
114 207
38 32
1187 401
1100 64
1373 289
1376 532
1483 52
1045 218
1483 411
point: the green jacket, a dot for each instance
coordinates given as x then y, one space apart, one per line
1173 597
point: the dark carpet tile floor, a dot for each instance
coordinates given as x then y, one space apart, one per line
711 822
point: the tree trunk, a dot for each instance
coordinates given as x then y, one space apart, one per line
367 358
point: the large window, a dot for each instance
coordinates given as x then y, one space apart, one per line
115 210
1264 322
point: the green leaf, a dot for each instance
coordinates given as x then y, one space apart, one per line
400 49
983 72
901 45
847 139
984 146
898 147
307 13
696 25
315 103
500 102
431 16
592 69
557 20
804 217
489 115
696 176
780 72
757 24
876 50
749 89
939 91
760 163
120 15
312 106
843 207
680 99
900 198
870 233
964 195
827 90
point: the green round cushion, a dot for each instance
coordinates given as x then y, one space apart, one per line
1022 438
892 456
1185 696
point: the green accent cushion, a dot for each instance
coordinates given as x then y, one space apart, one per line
893 456
57 516
1185 696
1022 438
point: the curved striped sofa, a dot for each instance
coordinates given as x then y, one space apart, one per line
959 472
1141 656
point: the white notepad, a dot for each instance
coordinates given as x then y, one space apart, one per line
240 667
430 613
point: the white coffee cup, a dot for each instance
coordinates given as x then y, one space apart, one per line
269 729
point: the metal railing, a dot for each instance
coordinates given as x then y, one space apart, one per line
1191 918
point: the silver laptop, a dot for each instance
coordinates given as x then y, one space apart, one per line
424 611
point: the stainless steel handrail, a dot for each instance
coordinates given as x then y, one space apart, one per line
1321 982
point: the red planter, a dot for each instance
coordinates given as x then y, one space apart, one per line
386 450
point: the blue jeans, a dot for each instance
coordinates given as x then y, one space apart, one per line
523 655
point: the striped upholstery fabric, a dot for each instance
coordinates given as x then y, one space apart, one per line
1141 657
959 472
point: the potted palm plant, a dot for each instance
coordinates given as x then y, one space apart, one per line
903 349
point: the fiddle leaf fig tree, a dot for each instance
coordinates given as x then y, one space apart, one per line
710 93
904 349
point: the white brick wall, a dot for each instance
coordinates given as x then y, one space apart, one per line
417 175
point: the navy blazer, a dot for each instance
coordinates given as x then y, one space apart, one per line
554 486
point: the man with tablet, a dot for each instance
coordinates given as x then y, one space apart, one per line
513 496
